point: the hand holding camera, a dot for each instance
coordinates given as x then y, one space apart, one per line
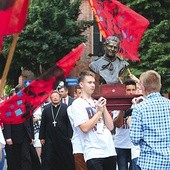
101 103
137 100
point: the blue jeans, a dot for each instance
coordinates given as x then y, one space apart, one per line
108 163
3 160
123 157
134 164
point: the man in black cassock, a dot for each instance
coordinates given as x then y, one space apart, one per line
55 136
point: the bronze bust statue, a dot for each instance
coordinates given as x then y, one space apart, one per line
110 67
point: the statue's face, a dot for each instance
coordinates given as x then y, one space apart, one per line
111 48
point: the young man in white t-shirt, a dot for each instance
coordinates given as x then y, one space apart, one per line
95 122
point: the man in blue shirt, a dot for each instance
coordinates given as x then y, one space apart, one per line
150 125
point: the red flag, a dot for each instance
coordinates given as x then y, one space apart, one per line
114 18
21 106
13 15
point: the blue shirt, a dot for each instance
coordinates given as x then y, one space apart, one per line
150 128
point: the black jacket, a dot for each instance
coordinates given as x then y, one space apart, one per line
19 132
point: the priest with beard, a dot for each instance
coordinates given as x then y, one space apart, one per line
55 134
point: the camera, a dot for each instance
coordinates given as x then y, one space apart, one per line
128 112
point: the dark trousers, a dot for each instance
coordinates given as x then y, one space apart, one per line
18 156
134 164
123 157
53 159
108 163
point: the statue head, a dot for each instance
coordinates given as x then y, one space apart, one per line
111 46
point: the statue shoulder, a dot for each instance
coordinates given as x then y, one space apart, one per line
98 58
96 64
122 59
97 61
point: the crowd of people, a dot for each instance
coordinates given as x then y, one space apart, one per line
79 133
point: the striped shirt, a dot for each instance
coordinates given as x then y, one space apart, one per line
150 128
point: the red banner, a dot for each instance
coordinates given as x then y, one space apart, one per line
21 106
13 15
114 18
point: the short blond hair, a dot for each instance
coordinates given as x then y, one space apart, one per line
151 80
83 74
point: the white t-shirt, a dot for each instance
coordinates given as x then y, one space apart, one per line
38 113
135 151
121 137
96 144
77 139
2 140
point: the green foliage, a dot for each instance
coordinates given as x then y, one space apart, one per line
154 49
7 90
51 31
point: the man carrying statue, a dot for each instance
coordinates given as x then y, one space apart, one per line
111 70
110 67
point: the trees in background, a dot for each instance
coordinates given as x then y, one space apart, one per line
51 31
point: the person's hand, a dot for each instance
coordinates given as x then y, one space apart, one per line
133 77
128 121
101 103
137 100
9 141
32 141
35 119
42 141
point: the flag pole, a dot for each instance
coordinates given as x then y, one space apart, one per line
129 71
8 63
120 80
133 77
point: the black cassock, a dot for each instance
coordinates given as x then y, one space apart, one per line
57 150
